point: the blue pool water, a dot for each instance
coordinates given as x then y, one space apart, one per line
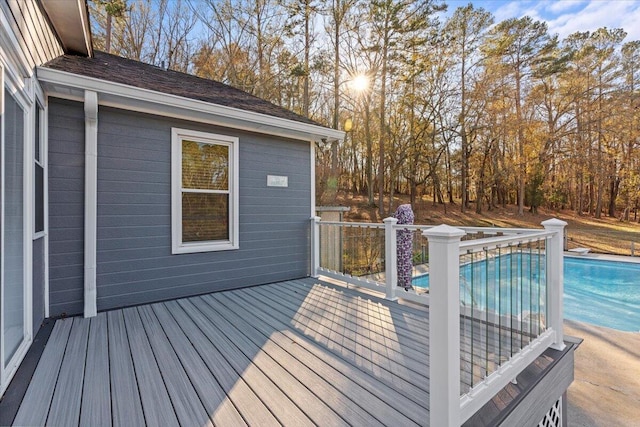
600 292
605 293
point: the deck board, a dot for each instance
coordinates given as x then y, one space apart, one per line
96 390
227 364
252 367
322 388
37 400
345 349
67 398
156 403
358 395
186 403
364 320
125 396
317 358
378 357
280 367
296 353
211 394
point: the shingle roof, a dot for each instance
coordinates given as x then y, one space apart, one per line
113 68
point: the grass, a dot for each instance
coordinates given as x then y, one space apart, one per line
607 235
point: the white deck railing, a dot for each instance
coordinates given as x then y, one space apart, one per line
494 296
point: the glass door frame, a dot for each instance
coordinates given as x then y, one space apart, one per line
22 90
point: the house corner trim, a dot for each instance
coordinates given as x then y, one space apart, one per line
90 202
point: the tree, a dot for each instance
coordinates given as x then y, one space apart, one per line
390 21
630 187
519 44
104 12
465 31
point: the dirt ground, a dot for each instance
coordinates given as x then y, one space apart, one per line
606 235
606 388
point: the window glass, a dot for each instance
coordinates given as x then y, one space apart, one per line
39 198
38 181
37 139
205 217
205 166
13 298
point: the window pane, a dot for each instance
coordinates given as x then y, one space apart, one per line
13 300
205 217
205 166
39 196
36 140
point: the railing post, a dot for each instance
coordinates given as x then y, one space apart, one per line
315 246
444 324
555 277
390 258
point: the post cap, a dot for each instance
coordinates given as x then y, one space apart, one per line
444 230
391 220
554 223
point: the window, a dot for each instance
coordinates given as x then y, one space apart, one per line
38 183
204 192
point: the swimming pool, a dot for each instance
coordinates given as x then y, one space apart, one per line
596 291
601 292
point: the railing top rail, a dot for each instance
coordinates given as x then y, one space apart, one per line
500 230
412 227
516 233
502 241
354 224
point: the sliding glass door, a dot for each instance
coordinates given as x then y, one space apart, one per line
14 284
14 306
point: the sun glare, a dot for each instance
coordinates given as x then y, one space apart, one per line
360 83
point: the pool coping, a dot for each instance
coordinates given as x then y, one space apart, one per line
604 257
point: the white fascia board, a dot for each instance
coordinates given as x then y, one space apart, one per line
144 100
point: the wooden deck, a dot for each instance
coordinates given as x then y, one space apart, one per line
295 353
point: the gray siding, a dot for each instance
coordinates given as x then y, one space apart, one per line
66 207
38 284
135 264
37 42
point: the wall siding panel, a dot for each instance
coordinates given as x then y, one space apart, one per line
66 207
37 42
135 264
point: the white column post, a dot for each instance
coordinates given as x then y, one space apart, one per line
90 201
444 324
315 245
555 278
390 258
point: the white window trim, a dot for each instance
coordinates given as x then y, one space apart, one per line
40 105
177 246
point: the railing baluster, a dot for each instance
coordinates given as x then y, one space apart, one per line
486 310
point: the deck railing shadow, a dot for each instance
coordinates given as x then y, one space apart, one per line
495 297
302 322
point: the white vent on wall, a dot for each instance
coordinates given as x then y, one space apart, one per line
553 418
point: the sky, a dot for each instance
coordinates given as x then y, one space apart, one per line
565 17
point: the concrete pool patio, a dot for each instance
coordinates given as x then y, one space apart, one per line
606 388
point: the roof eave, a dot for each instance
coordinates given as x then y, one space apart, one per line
72 86
70 21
